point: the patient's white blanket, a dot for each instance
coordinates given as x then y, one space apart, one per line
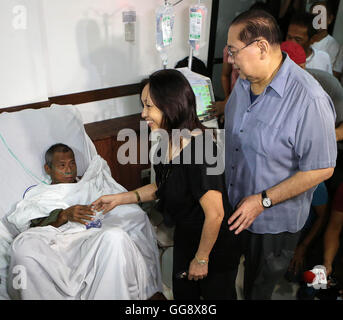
118 261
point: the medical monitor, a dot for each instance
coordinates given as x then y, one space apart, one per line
203 90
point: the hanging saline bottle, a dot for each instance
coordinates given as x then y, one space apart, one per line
164 30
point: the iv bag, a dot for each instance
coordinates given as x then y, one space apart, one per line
197 18
164 30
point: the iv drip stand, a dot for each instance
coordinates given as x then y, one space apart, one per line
190 58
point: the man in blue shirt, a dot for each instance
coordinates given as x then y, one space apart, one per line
280 143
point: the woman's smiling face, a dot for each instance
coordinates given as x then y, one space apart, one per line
151 114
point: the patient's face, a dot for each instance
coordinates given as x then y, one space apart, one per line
63 168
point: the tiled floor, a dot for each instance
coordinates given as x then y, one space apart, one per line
284 290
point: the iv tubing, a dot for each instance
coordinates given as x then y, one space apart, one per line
21 164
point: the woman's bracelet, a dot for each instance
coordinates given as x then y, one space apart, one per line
138 197
201 261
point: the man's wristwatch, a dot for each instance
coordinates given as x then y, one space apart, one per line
266 202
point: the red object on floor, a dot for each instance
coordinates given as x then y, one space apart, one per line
309 276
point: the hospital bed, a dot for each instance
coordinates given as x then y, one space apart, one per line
24 138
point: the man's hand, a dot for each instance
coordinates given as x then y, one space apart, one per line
217 108
78 213
247 211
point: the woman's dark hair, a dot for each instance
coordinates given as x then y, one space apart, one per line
172 94
58 147
257 24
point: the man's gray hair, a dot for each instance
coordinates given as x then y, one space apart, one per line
258 24
58 147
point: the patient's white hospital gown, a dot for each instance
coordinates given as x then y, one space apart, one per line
118 261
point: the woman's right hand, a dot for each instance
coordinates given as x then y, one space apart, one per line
106 203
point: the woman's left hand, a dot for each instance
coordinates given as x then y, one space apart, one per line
197 271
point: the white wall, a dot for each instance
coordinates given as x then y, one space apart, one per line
22 69
81 47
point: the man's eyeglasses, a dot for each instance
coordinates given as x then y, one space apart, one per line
233 54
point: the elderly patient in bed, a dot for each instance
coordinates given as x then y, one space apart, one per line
60 257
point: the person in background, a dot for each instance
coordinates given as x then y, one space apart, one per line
295 51
278 121
322 40
333 239
287 9
301 31
229 75
334 89
206 254
228 78
310 250
338 66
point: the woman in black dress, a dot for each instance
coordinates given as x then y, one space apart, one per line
190 196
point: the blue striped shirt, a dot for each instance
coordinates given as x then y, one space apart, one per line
289 127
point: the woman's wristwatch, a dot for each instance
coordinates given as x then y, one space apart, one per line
201 261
